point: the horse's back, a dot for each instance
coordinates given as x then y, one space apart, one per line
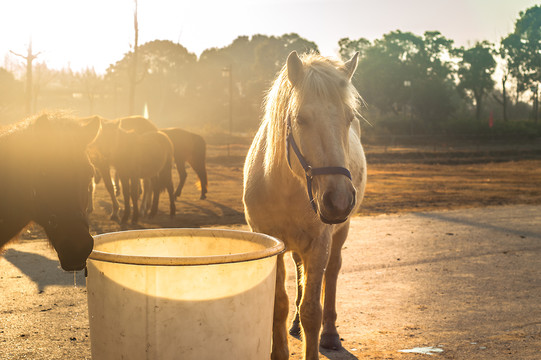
155 151
139 124
188 146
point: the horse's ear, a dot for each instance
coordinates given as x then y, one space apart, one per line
295 72
90 130
350 65
42 122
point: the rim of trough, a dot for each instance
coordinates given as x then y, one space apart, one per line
273 247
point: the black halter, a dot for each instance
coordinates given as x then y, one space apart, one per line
309 171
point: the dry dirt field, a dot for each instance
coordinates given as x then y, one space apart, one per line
397 183
43 315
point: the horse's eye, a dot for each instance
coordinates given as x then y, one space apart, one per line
301 120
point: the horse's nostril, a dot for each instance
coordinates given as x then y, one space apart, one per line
328 200
338 202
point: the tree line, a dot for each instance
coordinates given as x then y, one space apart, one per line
410 83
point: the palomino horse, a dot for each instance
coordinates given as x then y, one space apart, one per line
304 176
191 148
45 177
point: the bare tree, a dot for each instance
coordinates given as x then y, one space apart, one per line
30 57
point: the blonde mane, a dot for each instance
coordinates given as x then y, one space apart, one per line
323 80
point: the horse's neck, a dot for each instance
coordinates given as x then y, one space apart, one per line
277 166
16 190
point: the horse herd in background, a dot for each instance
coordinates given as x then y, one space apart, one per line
49 164
138 151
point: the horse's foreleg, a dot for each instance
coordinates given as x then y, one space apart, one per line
126 193
182 174
201 171
106 175
145 201
155 196
116 185
134 191
295 329
171 193
310 308
280 349
90 200
329 336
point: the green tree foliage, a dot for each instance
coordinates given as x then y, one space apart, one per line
475 73
348 47
164 74
413 81
528 31
252 63
526 44
406 75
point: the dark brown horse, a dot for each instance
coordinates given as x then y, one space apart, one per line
191 148
44 177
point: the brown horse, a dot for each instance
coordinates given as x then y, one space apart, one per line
106 147
191 148
45 173
100 154
147 156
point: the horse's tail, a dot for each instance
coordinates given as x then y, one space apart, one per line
199 161
165 178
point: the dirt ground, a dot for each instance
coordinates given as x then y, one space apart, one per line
441 256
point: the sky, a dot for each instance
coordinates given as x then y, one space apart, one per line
82 34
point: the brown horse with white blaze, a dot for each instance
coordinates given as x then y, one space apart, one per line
304 175
45 174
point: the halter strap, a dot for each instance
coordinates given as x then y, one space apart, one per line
309 171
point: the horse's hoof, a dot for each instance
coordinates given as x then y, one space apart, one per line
330 341
203 197
114 217
295 329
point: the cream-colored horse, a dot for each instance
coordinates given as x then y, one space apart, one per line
304 176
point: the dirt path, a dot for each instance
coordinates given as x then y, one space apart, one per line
465 282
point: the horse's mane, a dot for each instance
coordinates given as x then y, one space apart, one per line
323 80
62 118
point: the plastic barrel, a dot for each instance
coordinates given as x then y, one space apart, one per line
182 294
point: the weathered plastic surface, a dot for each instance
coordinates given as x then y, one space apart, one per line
182 294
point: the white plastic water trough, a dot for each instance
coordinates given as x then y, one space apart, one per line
182 294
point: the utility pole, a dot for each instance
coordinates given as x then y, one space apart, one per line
228 72
133 70
29 58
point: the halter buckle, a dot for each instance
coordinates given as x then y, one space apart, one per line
309 172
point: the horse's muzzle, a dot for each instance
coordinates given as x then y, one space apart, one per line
337 206
73 251
73 266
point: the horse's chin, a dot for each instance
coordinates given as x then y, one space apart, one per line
72 266
331 221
